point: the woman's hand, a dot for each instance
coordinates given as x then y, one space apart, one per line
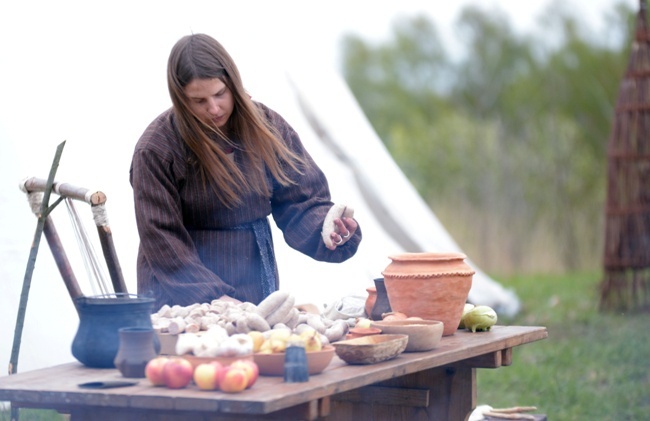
345 229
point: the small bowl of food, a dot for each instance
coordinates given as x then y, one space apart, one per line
358 332
371 349
424 335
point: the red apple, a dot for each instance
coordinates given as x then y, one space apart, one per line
177 373
233 379
153 370
252 370
206 375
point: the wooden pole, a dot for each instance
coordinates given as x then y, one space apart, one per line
112 263
61 259
96 200
67 190
31 263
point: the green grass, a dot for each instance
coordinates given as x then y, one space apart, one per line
33 415
593 365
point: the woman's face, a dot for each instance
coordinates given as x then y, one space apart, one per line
210 100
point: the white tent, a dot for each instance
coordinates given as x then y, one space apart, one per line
96 82
395 218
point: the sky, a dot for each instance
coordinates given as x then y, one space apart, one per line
71 67
92 74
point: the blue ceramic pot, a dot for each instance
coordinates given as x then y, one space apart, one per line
100 317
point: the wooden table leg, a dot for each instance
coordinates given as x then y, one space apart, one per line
442 393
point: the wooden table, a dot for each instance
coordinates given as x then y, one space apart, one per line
435 385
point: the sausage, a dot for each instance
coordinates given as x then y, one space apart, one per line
271 303
336 211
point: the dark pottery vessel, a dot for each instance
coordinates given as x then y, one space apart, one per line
382 303
295 364
97 340
135 351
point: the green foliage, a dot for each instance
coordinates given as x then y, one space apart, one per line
593 365
514 131
33 415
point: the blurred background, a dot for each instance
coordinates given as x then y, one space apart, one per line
503 132
499 113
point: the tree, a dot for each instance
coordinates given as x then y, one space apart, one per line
507 144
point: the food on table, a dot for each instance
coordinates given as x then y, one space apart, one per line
206 375
226 329
480 318
177 373
466 309
153 370
363 322
233 379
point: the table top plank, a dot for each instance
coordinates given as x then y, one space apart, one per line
58 385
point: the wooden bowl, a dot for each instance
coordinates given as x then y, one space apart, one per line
195 361
424 335
371 349
273 364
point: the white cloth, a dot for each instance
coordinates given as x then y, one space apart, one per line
347 307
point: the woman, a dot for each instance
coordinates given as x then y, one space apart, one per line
206 174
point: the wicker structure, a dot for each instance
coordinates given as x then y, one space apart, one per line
626 282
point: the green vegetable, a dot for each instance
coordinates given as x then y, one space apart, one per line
480 318
467 308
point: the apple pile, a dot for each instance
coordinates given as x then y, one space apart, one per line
177 373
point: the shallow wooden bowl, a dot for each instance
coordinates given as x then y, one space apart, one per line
371 349
424 335
273 364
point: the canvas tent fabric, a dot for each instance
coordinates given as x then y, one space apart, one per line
362 174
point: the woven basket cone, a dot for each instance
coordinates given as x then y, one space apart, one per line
433 286
626 283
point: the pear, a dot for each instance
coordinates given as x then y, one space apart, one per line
312 340
265 348
280 334
278 345
258 339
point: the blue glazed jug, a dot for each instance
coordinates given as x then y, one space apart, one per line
100 317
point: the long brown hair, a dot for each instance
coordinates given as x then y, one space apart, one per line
200 56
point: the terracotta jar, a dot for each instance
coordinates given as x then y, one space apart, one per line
433 286
370 301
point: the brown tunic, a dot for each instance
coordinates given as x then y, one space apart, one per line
193 249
